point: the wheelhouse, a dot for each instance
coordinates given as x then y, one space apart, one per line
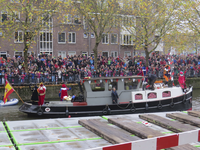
98 90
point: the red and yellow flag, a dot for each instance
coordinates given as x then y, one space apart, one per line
8 90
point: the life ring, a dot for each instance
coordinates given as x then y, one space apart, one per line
39 112
133 109
159 106
172 104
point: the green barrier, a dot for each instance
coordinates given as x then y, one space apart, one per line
52 142
46 128
172 119
185 112
138 122
6 145
11 134
104 117
167 132
132 135
196 145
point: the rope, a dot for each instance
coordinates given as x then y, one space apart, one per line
122 107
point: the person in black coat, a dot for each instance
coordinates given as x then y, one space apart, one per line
34 96
152 79
115 96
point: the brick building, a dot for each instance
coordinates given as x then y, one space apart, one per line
70 38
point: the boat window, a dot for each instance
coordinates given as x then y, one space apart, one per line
166 94
130 84
138 97
112 84
97 85
152 95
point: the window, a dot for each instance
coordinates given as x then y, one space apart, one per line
62 54
114 54
126 54
4 16
138 96
30 53
126 39
14 1
1 33
3 54
92 35
130 84
152 95
112 84
71 53
97 85
15 16
61 37
105 54
72 37
166 94
105 39
85 54
84 23
114 38
77 19
68 19
46 41
85 35
30 36
19 54
18 37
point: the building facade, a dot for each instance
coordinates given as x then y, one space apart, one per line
69 38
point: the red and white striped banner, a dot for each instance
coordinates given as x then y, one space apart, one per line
157 143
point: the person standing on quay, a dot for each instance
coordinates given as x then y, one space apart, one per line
41 92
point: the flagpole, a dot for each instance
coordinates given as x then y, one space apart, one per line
15 92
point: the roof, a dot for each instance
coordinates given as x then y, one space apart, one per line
109 78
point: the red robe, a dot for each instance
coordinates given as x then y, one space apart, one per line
181 81
63 92
41 92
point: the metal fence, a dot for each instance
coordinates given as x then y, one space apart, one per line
57 79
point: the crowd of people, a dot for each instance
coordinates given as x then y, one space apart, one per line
48 69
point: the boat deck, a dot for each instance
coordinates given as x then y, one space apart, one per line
92 132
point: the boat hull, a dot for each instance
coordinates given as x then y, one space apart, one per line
180 103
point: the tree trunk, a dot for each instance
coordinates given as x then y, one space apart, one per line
25 58
95 55
26 46
147 55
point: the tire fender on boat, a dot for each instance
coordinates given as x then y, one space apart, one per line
159 106
67 112
171 104
133 109
40 112
146 106
184 100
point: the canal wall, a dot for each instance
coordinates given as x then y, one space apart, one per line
53 90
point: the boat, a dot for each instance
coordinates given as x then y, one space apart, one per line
95 99
12 102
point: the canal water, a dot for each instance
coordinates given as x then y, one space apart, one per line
12 113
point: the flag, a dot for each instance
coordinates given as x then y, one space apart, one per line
8 90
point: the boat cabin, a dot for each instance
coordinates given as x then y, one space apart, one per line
97 91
